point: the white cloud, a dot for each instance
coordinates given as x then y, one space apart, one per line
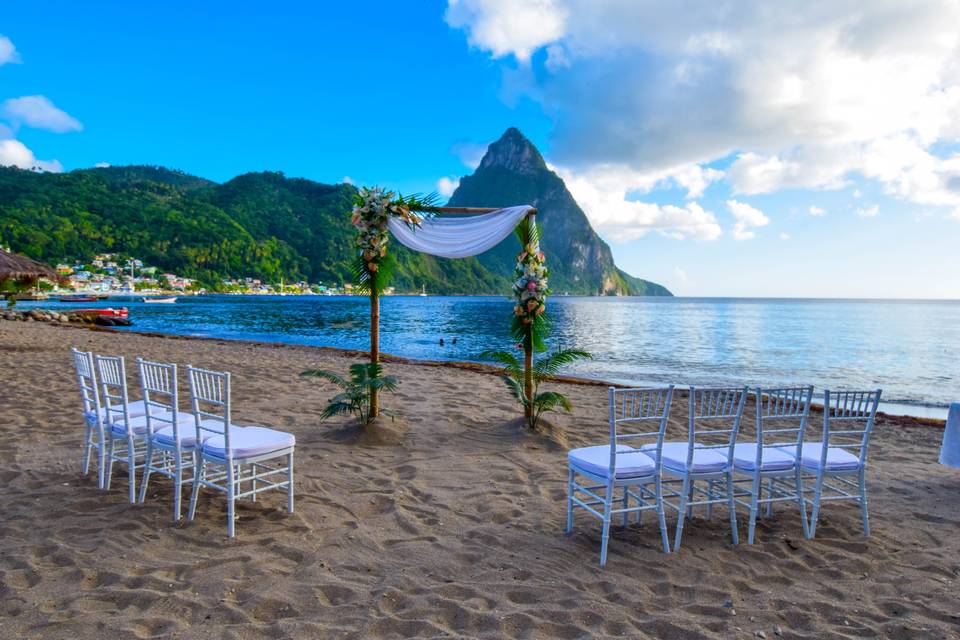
40 113
856 193
680 275
347 180
102 165
446 186
868 212
816 211
470 153
801 96
746 217
8 53
784 236
603 195
505 27
14 153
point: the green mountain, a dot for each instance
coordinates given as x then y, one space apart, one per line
268 226
513 172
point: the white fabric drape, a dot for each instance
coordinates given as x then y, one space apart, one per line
460 236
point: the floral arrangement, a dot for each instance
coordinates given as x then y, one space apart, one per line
530 288
529 325
372 209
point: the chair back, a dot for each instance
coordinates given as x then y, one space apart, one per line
715 415
781 417
158 383
87 379
112 373
848 418
210 403
633 413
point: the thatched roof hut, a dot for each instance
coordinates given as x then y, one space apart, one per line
17 267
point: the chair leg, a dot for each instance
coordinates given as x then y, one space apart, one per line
290 482
690 498
733 509
863 504
253 482
132 469
177 483
605 535
815 516
626 505
147 463
661 516
710 499
231 491
801 502
682 512
109 463
198 471
102 458
570 486
754 507
87 445
770 485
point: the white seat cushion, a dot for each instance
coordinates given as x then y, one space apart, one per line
631 463
674 456
186 431
138 424
247 442
837 459
745 458
135 409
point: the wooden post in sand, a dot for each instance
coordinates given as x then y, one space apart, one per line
528 344
374 342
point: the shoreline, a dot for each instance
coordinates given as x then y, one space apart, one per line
464 365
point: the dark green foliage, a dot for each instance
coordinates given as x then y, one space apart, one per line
354 397
543 369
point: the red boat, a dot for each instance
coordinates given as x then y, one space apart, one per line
108 312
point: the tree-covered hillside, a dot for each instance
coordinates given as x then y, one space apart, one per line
268 226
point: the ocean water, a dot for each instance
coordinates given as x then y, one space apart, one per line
910 349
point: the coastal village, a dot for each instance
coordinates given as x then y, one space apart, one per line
115 274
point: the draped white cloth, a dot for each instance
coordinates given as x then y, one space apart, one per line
460 236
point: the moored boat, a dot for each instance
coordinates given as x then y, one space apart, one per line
169 300
107 317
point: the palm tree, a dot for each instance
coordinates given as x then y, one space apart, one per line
545 368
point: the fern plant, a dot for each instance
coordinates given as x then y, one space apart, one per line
544 368
354 396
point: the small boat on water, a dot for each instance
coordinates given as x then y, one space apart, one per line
107 317
77 299
169 300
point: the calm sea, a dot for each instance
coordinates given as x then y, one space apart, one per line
910 349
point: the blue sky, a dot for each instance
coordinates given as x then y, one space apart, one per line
718 153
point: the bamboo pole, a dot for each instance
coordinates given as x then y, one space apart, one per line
374 343
528 346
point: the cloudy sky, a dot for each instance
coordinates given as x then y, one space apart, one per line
721 148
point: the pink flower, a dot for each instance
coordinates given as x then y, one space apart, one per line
372 266
531 285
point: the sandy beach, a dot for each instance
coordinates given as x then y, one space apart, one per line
447 522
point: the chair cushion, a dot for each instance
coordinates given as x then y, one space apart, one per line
186 430
138 424
745 458
247 442
135 409
674 456
838 459
631 463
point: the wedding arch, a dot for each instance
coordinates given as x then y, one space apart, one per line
416 223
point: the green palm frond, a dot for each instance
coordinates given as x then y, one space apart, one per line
509 361
516 387
550 365
550 400
330 376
